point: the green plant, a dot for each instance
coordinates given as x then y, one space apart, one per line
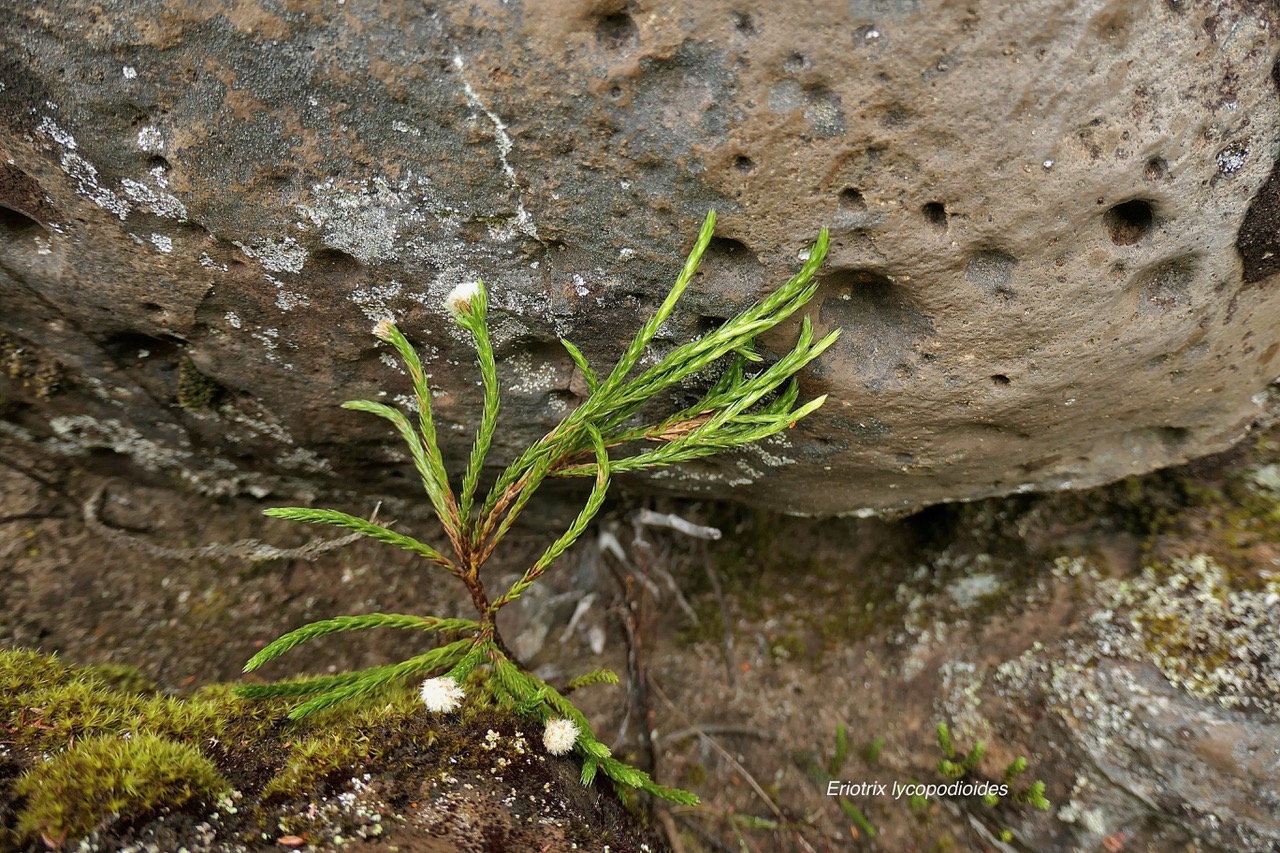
827 776
957 765
603 436
841 754
953 765
872 753
106 776
195 390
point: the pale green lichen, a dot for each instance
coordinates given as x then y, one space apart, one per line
1211 634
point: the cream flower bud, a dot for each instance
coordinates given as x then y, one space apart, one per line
441 695
559 736
459 299
384 330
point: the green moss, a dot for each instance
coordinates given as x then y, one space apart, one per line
813 615
50 377
313 761
117 732
100 778
1211 631
195 390
28 364
343 742
119 749
787 647
21 670
127 679
55 714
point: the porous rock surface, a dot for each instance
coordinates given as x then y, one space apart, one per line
1054 226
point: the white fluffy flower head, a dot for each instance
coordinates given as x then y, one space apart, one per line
459 299
441 695
559 736
384 330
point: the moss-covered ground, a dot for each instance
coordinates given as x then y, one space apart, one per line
94 756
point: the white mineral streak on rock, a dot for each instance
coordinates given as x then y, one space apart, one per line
523 221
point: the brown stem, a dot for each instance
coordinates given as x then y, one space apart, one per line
489 522
488 613
490 629
478 597
494 520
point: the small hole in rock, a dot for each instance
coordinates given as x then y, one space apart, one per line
727 247
17 224
708 323
615 92
851 199
1128 222
152 307
126 348
935 213
742 23
744 164
1156 169
1001 380
796 62
331 260
617 31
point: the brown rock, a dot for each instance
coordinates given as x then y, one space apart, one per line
1053 228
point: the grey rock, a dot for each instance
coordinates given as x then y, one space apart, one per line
1153 699
1054 227
1214 770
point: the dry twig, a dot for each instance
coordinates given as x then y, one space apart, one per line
246 549
726 620
734 763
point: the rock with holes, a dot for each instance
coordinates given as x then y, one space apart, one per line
1054 225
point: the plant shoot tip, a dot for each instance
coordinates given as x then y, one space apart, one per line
441 695
559 736
459 299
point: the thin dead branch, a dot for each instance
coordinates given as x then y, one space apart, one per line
726 621
250 550
734 763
